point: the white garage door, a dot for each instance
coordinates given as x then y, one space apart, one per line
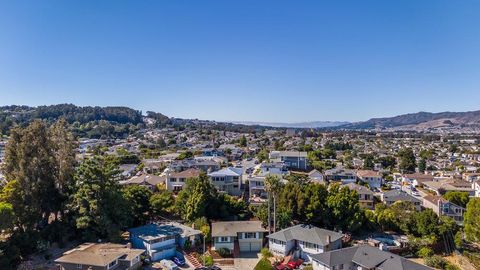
250 247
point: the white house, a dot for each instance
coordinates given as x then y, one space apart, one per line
303 240
177 180
227 180
372 178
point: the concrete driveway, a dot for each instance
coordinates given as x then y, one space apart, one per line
246 261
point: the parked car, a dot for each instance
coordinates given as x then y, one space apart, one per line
415 193
168 265
214 268
178 260
293 264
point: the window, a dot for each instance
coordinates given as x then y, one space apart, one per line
112 264
79 266
173 180
249 235
223 239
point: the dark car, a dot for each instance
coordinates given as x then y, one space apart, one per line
178 260
201 268
214 268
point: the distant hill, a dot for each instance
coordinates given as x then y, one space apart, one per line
423 121
314 124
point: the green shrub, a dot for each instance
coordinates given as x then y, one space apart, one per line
452 267
263 264
266 253
208 260
308 267
436 262
425 252
224 252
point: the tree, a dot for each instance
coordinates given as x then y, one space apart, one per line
422 165
138 200
243 141
457 197
312 204
344 208
32 159
272 186
6 216
387 162
100 209
195 198
407 160
162 203
262 155
472 220
368 163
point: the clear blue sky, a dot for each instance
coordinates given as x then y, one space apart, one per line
283 61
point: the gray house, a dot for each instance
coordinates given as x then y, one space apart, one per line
363 257
392 196
303 240
227 180
292 159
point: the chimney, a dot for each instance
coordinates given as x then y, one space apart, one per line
329 239
129 245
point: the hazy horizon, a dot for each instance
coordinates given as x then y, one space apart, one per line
268 61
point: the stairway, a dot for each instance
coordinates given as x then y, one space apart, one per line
192 260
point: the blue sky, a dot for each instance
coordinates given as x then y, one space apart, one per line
283 61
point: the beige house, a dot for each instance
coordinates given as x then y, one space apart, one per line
105 256
246 236
365 195
443 207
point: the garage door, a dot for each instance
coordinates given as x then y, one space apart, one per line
250 247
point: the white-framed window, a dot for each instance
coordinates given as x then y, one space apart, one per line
249 235
223 239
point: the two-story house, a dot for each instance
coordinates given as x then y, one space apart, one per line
160 241
365 195
257 192
363 257
342 175
227 180
443 207
244 236
177 180
393 196
303 240
372 178
104 256
292 159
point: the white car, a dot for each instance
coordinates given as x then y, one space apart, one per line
169 265
415 193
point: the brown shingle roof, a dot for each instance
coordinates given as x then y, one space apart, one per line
98 254
186 174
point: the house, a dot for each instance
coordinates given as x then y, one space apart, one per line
149 181
127 170
258 194
372 178
443 207
176 180
365 195
161 240
471 177
393 196
277 168
248 234
292 159
341 174
316 177
417 179
476 188
363 257
104 256
227 180
303 241
444 185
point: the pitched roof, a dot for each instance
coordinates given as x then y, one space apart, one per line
397 195
306 233
144 178
189 173
231 228
367 257
359 189
367 173
154 231
230 171
98 254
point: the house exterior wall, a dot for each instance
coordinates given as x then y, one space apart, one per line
121 264
373 182
282 248
347 266
228 244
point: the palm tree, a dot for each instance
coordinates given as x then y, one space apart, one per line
272 186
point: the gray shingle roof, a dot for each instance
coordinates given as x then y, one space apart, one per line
231 228
368 257
306 233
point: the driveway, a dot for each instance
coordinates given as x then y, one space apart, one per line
246 260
